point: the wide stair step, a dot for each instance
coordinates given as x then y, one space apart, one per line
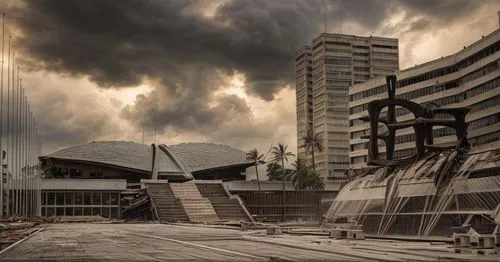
168 207
226 206
197 208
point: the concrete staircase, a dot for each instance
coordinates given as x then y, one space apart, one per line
227 207
197 208
168 207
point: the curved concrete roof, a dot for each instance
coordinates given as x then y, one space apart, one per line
205 156
116 153
193 156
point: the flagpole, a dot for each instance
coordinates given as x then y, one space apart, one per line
1 121
9 209
21 145
17 118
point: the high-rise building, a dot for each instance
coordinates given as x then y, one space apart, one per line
468 78
325 72
303 70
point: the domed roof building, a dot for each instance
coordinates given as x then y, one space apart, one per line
133 161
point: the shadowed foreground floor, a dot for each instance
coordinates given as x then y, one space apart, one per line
156 242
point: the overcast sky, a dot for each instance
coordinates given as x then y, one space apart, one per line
208 71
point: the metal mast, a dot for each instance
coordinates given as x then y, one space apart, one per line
1 122
9 210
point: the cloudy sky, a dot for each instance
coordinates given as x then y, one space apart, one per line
200 70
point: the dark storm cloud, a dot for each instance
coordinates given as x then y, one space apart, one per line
117 43
183 55
66 116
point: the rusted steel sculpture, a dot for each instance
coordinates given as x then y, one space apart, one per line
422 124
437 191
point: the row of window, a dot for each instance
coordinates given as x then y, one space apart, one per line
439 72
361 46
382 55
479 73
331 68
446 131
386 63
361 54
104 211
480 140
490 102
483 88
302 55
385 46
485 121
454 68
427 91
433 89
79 198
335 60
338 50
361 62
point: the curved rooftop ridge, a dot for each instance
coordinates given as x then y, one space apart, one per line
116 153
206 156
192 157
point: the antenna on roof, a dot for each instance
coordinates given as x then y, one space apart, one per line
154 123
268 151
325 10
143 133
340 18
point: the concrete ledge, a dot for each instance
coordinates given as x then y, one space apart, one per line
83 184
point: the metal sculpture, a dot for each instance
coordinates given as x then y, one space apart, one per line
422 124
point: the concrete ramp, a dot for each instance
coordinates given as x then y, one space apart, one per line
197 208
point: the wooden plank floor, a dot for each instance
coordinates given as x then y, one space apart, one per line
156 242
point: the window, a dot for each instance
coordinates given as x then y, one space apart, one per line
59 198
78 198
96 198
87 198
385 46
70 198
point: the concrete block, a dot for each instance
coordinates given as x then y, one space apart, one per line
338 234
273 231
461 240
355 234
462 250
483 251
483 242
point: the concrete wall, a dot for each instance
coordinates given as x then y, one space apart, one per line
83 184
270 186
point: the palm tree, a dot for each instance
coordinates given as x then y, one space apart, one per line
313 142
298 176
304 178
257 159
280 154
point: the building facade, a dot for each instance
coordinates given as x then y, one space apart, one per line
303 72
325 72
468 78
